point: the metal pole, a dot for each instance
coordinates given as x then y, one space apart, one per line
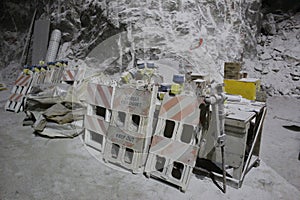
223 168
26 49
253 144
221 114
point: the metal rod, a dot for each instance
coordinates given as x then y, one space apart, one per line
223 168
251 165
26 49
230 181
253 144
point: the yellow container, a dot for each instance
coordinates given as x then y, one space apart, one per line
126 77
246 87
176 88
36 69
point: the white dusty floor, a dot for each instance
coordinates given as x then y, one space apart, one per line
33 167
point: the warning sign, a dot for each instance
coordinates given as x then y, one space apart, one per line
132 100
127 139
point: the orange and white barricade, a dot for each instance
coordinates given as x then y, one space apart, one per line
17 99
69 74
73 75
22 84
96 121
43 77
15 103
174 148
130 130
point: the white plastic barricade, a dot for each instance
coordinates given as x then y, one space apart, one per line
49 76
96 121
22 84
15 103
173 151
130 130
17 99
56 74
41 77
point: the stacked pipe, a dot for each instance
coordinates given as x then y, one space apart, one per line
53 45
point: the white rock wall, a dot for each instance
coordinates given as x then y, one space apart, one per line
227 28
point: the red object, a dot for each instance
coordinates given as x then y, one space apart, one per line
200 43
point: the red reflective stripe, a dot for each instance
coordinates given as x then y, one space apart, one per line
18 79
11 98
102 126
184 112
156 139
95 124
169 104
15 97
103 97
110 90
70 74
24 81
64 77
18 97
90 94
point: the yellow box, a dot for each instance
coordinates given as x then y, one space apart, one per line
176 88
246 87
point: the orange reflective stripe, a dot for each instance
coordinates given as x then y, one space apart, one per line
169 104
185 112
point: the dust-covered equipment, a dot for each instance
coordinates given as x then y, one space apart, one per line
169 131
174 147
131 126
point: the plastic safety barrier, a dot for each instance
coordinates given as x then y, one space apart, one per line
22 84
173 151
15 103
21 87
130 130
69 75
96 121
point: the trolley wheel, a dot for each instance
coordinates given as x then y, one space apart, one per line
257 163
134 172
182 189
147 174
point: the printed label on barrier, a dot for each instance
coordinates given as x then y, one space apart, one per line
132 100
175 150
127 139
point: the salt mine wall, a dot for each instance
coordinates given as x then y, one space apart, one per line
203 33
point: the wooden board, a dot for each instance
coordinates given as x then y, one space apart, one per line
40 41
